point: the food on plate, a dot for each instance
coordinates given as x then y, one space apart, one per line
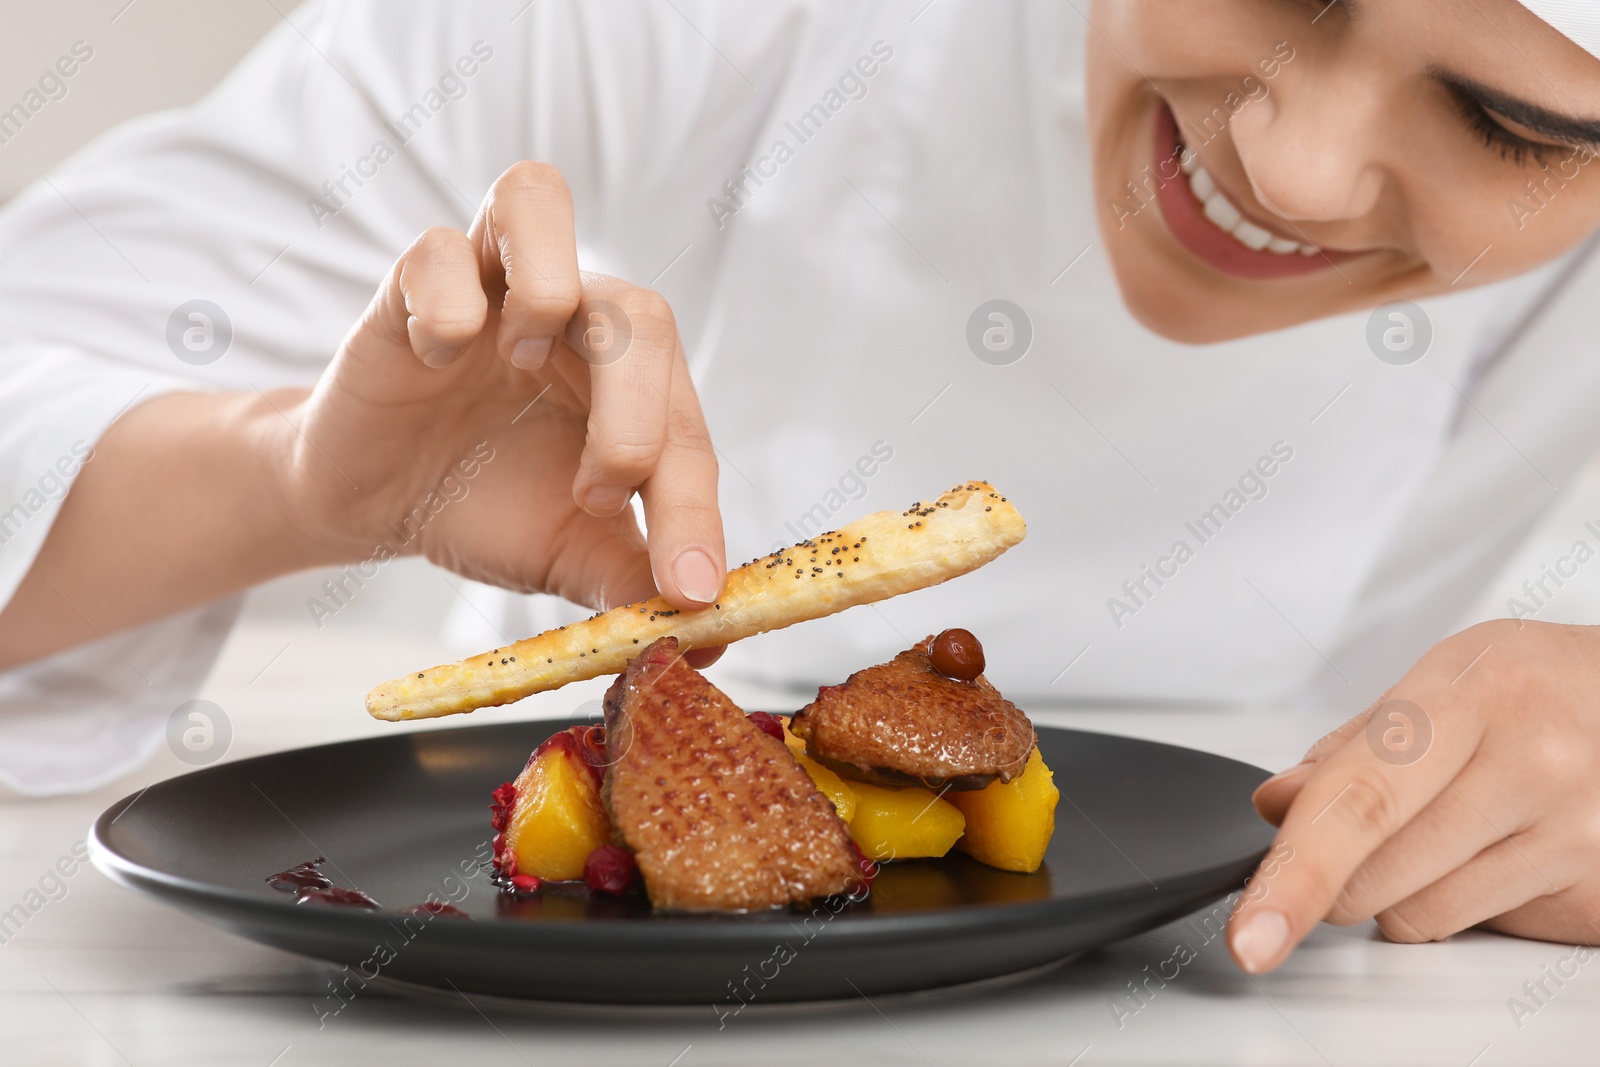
833 787
551 818
716 810
871 559
907 723
903 824
718 814
1009 824
610 869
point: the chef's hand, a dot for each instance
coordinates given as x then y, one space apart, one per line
1467 796
495 410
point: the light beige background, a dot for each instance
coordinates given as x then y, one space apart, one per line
157 54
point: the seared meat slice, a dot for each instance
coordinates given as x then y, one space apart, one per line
904 723
720 815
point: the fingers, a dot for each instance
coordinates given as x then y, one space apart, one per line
629 339
1500 879
528 258
1473 813
1349 806
1273 796
687 553
646 433
431 304
1569 917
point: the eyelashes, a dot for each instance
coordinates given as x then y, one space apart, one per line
1497 138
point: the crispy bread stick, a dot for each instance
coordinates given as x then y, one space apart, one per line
871 559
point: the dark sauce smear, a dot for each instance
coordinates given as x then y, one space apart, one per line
301 876
311 886
436 907
337 895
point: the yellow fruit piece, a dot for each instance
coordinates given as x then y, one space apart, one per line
832 786
902 824
558 819
1009 823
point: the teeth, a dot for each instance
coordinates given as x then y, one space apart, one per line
1221 211
1252 235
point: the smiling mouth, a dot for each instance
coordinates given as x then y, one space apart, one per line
1213 229
1227 217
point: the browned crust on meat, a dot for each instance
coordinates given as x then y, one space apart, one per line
904 723
720 815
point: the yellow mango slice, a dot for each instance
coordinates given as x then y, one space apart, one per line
901 824
559 817
831 785
1008 824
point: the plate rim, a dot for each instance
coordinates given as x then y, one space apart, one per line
960 920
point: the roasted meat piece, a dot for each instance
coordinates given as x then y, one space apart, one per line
905 723
719 814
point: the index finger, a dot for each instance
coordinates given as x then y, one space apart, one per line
646 432
1360 796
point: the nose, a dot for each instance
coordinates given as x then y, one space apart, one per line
1311 147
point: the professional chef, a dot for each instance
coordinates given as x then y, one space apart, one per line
1264 312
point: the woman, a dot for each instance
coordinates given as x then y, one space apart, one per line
907 244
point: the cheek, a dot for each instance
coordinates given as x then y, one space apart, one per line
1461 199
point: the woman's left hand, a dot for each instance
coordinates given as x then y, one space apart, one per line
1467 796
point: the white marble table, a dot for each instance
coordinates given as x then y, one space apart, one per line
104 976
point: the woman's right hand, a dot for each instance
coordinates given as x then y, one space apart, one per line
495 410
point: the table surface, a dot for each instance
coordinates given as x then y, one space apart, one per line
103 975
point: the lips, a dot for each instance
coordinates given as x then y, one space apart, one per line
1213 229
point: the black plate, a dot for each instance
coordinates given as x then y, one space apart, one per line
1144 833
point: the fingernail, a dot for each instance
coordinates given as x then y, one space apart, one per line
697 577
531 352
440 357
1297 769
1258 941
607 500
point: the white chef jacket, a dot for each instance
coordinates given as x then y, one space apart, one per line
933 158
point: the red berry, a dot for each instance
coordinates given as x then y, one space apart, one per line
610 869
523 884
505 798
769 724
868 869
